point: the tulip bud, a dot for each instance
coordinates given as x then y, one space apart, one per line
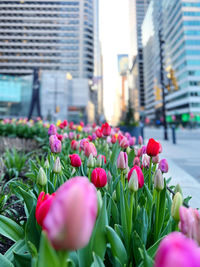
46 164
176 203
57 166
90 162
114 196
158 180
106 147
122 161
100 201
128 150
41 177
140 140
133 182
178 189
99 161
109 176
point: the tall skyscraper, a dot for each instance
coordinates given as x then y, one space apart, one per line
137 9
56 34
60 37
151 30
181 33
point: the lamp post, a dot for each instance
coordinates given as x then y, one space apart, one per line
161 42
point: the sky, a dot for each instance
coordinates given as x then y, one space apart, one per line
114 37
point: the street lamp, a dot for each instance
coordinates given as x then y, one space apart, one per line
161 42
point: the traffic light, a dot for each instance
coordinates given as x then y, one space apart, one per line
173 79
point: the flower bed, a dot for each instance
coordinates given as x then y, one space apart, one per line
94 198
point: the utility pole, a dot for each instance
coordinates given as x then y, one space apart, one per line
161 42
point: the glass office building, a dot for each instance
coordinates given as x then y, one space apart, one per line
151 27
137 11
181 32
46 34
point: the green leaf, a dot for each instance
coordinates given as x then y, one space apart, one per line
18 247
115 212
47 255
97 242
147 260
97 261
137 244
142 225
29 199
152 250
10 229
117 246
5 262
123 213
131 157
22 260
32 233
161 210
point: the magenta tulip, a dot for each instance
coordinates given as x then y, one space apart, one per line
52 130
90 148
163 166
99 177
175 250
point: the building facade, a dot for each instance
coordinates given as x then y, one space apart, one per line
137 9
60 37
46 34
181 33
151 35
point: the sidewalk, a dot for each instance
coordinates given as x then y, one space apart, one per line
190 186
178 157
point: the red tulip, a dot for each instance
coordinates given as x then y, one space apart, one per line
113 139
99 177
65 123
106 129
75 160
99 133
139 174
43 206
153 148
59 136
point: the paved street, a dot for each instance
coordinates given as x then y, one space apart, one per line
183 158
186 153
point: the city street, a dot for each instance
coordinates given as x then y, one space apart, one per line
183 159
186 153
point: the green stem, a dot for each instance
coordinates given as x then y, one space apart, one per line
122 179
150 164
55 181
131 213
136 204
63 255
157 214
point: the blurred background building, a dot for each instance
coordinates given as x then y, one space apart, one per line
61 39
137 11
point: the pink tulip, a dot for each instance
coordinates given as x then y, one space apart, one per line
144 148
106 129
90 148
122 161
145 161
140 140
132 141
55 144
74 145
190 223
71 218
139 174
163 166
52 130
124 143
155 159
175 250
71 135
136 161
